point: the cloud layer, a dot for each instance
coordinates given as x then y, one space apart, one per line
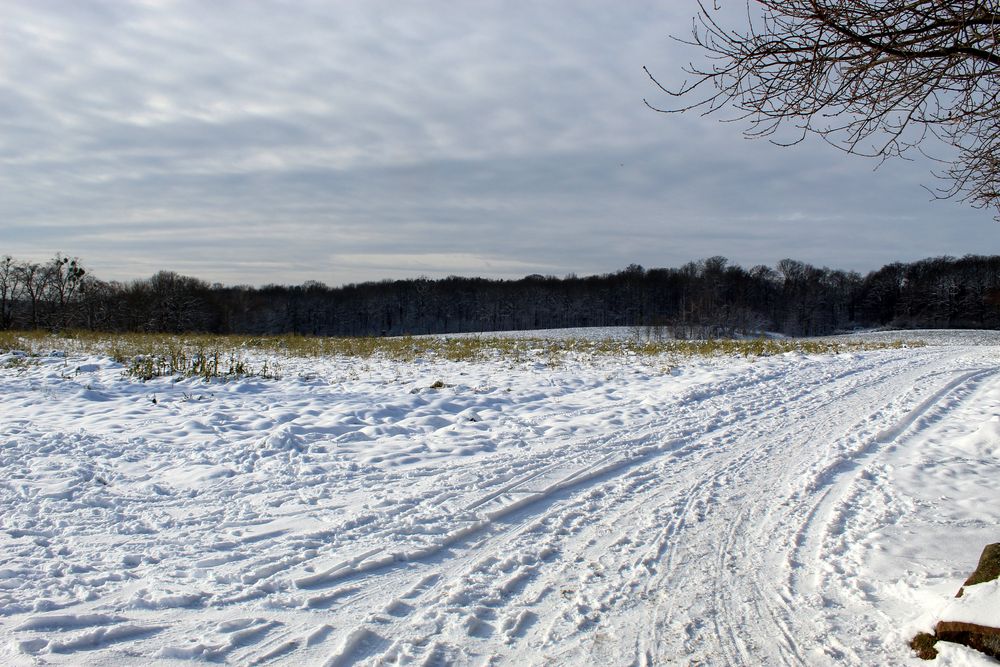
279 141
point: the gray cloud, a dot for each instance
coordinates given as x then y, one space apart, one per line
283 141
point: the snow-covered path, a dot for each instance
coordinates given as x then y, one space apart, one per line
789 510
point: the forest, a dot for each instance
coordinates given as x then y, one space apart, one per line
709 298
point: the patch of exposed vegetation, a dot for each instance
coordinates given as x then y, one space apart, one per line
146 356
923 646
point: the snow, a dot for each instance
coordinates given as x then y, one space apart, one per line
979 605
795 509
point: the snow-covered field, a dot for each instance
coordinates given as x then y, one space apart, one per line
795 509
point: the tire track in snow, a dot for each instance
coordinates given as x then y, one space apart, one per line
704 481
606 458
734 652
760 605
775 605
841 517
579 499
365 562
698 444
832 479
561 485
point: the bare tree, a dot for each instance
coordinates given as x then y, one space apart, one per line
64 281
10 290
874 77
33 278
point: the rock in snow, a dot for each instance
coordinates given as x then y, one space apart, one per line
973 619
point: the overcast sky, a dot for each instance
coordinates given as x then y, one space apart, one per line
253 141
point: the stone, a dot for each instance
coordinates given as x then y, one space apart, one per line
983 638
987 570
962 623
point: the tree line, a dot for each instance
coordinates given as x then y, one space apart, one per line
711 297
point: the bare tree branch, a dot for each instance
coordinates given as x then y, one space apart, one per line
872 77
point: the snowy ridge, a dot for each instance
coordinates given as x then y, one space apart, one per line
786 510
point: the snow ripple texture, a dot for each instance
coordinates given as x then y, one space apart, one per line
793 510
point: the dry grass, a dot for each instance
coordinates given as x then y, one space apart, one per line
147 356
923 646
